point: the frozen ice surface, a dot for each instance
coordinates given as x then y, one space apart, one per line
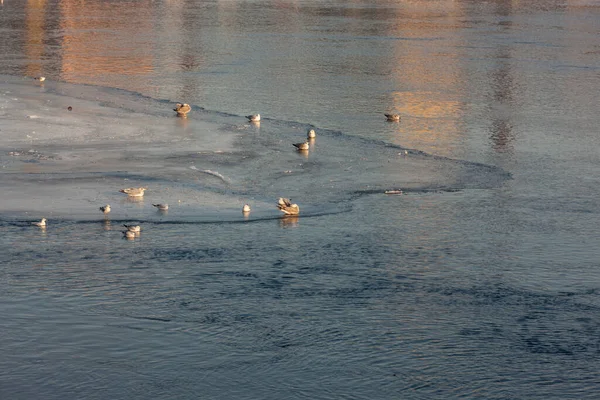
65 164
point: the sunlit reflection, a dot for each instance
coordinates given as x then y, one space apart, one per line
183 124
289 221
34 44
90 46
433 122
303 153
138 200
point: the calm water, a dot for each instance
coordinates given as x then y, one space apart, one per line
482 281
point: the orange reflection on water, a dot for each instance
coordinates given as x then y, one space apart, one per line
430 119
91 46
34 42
433 121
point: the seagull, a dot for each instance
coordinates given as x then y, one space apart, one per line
286 206
134 192
129 234
41 224
253 117
182 109
392 117
40 78
302 146
311 134
133 228
161 207
105 209
246 209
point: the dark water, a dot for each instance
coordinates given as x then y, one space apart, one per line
482 281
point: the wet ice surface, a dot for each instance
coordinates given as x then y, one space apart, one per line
65 164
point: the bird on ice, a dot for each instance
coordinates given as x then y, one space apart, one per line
182 109
129 234
302 146
40 78
392 117
134 192
105 209
41 224
311 134
253 117
161 207
246 209
133 228
286 206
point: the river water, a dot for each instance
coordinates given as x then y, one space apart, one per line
482 280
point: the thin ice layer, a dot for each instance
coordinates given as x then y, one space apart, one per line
67 163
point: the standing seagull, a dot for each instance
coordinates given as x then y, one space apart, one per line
133 228
105 209
253 117
134 192
302 146
41 224
392 117
286 206
246 209
182 109
311 134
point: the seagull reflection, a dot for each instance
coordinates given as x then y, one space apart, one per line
289 221
303 153
135 200
182 122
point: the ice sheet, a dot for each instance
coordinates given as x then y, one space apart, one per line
65 164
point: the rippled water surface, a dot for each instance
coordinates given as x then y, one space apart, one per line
480 281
